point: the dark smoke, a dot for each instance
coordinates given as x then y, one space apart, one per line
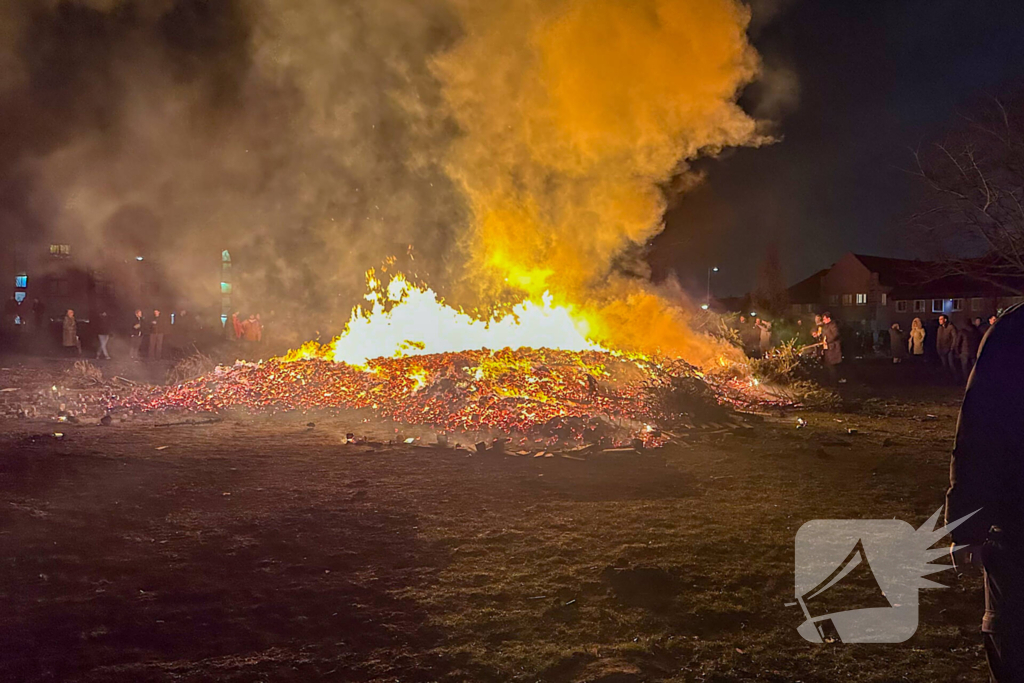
304 137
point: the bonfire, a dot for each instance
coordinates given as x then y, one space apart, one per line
533 376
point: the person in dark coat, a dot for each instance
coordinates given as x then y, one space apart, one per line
967 348
102 329
987 478
159 326
138 329
946 347
897 343
69 335
38 313
832 346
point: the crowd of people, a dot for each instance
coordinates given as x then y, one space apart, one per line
940 343
154 335
956 347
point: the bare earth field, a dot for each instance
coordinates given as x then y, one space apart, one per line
265 550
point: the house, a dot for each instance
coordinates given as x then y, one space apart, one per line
872 292
61 279
805 296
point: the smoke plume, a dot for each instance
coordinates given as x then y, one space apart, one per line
573 116
512 146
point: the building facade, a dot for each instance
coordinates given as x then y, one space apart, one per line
873 292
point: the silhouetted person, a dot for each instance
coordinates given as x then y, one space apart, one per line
897 343
38 314
135 335
102 327
946 347
832 346
987 476
967 344
159 326
70 333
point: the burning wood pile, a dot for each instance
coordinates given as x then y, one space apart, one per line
542 398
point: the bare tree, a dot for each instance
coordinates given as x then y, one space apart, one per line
770 294
973 213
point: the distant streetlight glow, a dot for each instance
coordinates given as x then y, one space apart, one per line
707 299
704 307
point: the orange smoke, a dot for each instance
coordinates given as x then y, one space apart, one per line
573 114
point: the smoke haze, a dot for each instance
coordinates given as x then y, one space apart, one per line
514 146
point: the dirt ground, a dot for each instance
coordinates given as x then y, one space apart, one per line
266 550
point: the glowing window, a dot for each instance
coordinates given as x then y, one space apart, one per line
225 288
21 281
60 249
19 296
862 299
225 256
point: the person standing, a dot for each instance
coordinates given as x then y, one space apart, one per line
158 328
764 336
897 343
832 346
102 335
915 340
967 344
946 346
70 334
138 329
987 483
38 314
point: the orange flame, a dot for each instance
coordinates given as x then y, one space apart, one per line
406 320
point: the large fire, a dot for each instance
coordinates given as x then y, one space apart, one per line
572 119
404 319
532 375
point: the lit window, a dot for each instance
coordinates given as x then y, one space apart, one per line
21 281
958 304
225 288
17 320
60 249
862 299
938 305
225 256
919 306
19 296
847 299
885 299
901 306
223 318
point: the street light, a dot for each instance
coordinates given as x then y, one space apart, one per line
707 300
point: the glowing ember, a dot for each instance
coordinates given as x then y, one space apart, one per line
406 320
541 396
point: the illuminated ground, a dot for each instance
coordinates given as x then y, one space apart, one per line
248 551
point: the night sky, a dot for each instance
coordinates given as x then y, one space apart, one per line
874 78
